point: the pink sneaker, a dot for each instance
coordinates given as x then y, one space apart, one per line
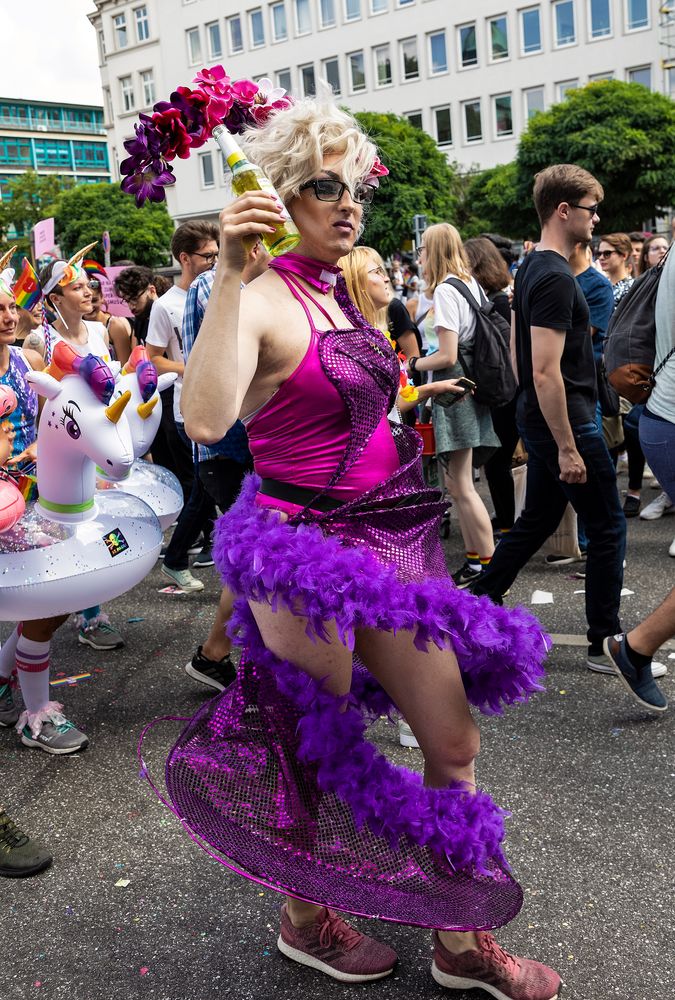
332 946
488 967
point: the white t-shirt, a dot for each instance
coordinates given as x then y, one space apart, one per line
96 341
453 312
164 330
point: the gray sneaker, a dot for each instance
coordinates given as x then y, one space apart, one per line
9 713
103 636
20 856
57 736
184 579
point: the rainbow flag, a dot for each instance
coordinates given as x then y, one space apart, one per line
26 287
93 267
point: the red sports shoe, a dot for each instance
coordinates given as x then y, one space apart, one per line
332 946
488 967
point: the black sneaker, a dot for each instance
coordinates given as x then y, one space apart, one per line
203 559
217 674
465 576
631 506
639 680
20 856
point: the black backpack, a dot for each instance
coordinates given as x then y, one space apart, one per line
630 347
495 382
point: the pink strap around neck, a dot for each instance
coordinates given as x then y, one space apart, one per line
316 273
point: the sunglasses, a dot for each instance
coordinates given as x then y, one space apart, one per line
606 253
587 208
327 189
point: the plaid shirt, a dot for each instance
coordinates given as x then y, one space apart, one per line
235 443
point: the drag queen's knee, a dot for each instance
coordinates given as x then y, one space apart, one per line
460 750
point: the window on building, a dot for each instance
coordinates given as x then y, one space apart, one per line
379 6
256 28
562 89
670 81
499 38
90 154
415 119
331 73
234 34
637 14
279 24
327 13
600 76
438 56
148 87
534 101
599 18
357 72
530 30
473 123
108 104
503 115
120 31
194 46
443 126
214 40
303 18
206 170
468 51
641 74
308 80
563 20
352 10
127 93
404 3
283 80
142 23
382 56
101 46
409 59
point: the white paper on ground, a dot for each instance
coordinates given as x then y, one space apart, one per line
625 592
579 591
541 597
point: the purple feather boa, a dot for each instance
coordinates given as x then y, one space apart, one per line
463 828
500 650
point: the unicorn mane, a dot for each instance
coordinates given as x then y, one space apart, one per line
95 372
146 372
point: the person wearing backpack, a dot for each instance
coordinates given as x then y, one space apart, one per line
464 433
568 460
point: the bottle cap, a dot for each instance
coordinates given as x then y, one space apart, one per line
235 157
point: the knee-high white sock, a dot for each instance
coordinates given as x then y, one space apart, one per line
8 654
32 664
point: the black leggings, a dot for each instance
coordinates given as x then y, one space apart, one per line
498 467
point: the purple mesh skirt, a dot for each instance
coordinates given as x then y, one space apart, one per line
277 777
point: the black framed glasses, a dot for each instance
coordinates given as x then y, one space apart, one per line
587 208
329 189
605 253
210 258
419 250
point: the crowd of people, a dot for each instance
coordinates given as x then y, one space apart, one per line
332 358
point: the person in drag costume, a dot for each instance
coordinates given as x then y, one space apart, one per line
344 606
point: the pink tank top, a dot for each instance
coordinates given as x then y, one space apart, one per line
299 435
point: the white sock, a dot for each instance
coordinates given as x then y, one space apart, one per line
32 664
8 655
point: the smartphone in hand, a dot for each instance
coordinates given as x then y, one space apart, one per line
447 399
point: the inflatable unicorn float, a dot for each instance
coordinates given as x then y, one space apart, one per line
74 544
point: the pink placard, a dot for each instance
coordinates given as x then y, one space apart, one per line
43 235
115 305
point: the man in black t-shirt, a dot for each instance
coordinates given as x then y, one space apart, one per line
568 459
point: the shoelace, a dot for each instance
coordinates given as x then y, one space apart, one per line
489 946
10 835
64 727
335 927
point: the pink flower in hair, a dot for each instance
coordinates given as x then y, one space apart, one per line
245 92
268 99
378 169
214 81
169 123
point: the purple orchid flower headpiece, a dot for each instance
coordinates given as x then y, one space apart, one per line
186 121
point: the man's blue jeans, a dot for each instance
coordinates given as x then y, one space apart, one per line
596 501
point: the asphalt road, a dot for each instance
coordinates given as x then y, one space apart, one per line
132 908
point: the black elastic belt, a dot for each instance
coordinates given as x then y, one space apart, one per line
297 495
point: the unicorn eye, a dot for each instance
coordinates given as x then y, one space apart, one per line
70 423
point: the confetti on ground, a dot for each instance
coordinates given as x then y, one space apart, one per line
579 591
625 592
73 679
122 883
171 590
562 692
671 656
616 731
130 620
144 970
541 597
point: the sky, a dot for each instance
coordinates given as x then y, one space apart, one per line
50 52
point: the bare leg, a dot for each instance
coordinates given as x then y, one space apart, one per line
650 634
43 629
473 517
218 643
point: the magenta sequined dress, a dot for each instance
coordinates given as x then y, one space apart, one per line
274 775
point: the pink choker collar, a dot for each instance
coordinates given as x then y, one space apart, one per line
316 273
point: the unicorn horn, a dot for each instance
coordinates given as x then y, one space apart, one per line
5 259
77 257
145 409
116 409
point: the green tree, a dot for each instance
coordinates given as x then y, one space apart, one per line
31 197
494 203
139 234
420 181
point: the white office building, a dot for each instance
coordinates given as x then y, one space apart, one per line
469 74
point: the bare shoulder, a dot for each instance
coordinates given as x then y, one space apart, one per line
261 302
34 359
119 324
